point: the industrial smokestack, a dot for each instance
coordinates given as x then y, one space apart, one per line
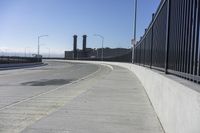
75 46
84 42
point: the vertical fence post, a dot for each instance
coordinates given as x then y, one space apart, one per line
197 64
198 37
151 47
167 37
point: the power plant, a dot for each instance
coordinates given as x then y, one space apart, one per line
76 53
96 53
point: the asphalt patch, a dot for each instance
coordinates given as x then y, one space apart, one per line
47 82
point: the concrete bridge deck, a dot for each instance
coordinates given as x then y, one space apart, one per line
75 98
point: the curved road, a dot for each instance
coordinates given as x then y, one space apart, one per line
74 98
19 84
23 92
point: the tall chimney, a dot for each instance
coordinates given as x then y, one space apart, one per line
75 46
84 42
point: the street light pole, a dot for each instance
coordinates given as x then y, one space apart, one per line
102 38
39 43
135 30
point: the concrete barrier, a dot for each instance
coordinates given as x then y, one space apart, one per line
18 66
176 101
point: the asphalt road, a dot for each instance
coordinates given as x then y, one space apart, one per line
20 90
74 98
16 85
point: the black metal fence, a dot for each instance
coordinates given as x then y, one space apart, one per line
171 42
17 60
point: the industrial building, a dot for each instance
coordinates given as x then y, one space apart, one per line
95 53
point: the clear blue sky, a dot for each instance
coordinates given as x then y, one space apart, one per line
21 21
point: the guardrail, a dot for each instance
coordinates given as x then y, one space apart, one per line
121 58
171 42
18 60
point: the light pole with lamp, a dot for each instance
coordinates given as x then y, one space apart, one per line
38 55
39 43
102 44
135 29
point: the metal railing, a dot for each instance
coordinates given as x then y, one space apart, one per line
18 60
171 42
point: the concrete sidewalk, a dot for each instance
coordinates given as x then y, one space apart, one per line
117 103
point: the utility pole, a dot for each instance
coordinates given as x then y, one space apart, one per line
135 30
